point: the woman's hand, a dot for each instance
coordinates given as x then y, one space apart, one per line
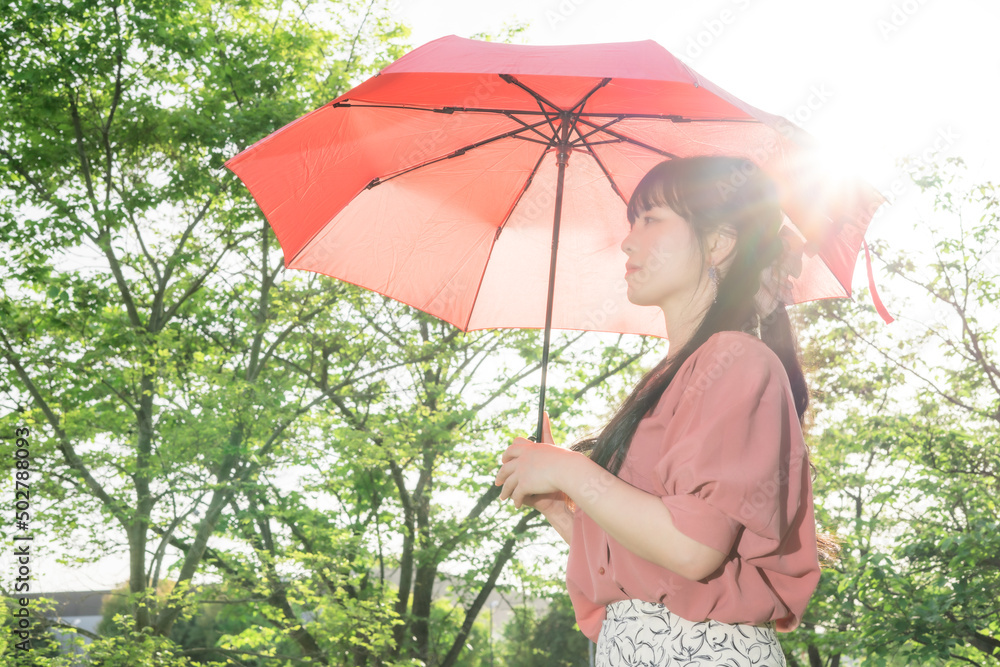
547 503
530 471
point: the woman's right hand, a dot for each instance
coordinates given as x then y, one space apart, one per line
546 503
529 471
556 506
557 509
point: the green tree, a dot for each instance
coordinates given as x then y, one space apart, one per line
201 632
909 448
554 639
141 312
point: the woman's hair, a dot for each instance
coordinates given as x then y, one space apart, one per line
710 192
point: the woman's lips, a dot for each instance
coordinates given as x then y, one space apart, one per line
630 269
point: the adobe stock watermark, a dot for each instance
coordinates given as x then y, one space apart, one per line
765 495
944 139
900 14
426 150
715 368
667 589
941 314
596 485
560 12
711 30
817 97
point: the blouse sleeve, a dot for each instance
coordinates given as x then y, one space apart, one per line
732 460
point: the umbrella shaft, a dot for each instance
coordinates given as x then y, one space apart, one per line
563 160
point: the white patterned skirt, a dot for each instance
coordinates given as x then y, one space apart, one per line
646 634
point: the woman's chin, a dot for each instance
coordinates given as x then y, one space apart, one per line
636 299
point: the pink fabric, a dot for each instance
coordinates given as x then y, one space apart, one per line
724 450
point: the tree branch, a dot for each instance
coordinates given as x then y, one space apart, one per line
472 612
65 446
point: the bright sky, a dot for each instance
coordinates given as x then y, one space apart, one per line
886 78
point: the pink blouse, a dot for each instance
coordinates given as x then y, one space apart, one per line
724 450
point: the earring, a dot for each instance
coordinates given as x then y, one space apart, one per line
713 275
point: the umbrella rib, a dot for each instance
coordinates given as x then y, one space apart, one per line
605 141
542 112
538 100
534 141
513 115
635 142
538 96
571 115
514 134
671 117
548 140
548 118
517 200
607 174
444 110
617 119
586 97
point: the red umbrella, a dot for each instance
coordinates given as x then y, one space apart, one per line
455 178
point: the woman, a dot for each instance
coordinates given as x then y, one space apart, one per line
690 515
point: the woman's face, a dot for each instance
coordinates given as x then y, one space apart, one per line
664 259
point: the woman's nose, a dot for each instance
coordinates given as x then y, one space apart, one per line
626 244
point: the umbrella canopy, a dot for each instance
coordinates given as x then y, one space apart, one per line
434 182
455 178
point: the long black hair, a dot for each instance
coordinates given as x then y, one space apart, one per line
712 192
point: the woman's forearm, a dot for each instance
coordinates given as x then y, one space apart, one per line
637 520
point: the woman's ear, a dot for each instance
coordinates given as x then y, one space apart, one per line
720 244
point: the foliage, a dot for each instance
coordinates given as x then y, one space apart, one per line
150 383
39 645
908 449
552 640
